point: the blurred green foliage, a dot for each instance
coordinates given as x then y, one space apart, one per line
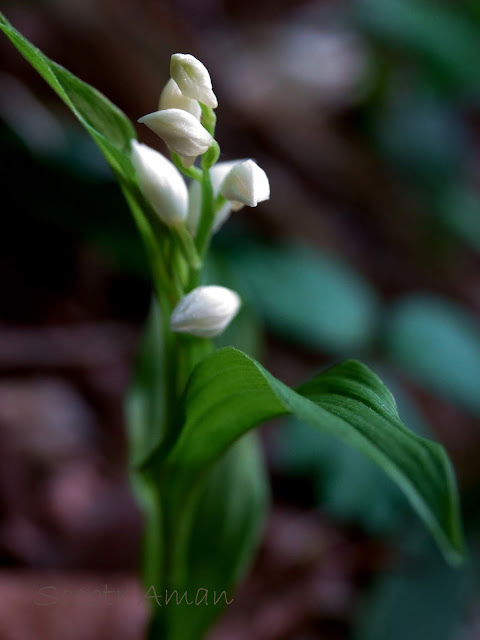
438 343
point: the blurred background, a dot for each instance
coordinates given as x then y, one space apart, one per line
365 115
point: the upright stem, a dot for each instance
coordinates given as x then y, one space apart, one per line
209 119
168 529
190 172
207 214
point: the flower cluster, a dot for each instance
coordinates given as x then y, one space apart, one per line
185 121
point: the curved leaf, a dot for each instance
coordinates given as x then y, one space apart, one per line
106 123
348 485
226 528
109 127
229 393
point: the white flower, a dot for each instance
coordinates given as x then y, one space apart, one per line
217 174
205 312
247 184
193 78
161 183
172 98
181 131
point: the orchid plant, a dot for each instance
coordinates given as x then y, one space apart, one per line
195 464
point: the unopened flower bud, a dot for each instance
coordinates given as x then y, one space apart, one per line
205 312
193 78
246 183
181 131
161 183
172 98
217 174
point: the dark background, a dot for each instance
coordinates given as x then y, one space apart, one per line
365 117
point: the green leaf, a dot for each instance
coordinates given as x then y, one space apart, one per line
308 297
226 529
437 342
229 393
108 126
349 486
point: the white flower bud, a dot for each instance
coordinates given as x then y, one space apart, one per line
172 98
246 184
217 174
181 131
205 312
161 183
193 78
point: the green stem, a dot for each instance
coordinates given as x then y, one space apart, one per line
190 172
209 119
207 214
219 202
188 246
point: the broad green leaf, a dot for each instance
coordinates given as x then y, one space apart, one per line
108 126
437 342
348 485
308 297
229 513
226 529
229 393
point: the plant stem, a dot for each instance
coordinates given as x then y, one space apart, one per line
188 246
190 172
207 214
209 119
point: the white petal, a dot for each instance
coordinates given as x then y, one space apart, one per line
217 174
193 78
236 206
188 161
181 131
205 312
246 183
161 183
172 98
219 171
